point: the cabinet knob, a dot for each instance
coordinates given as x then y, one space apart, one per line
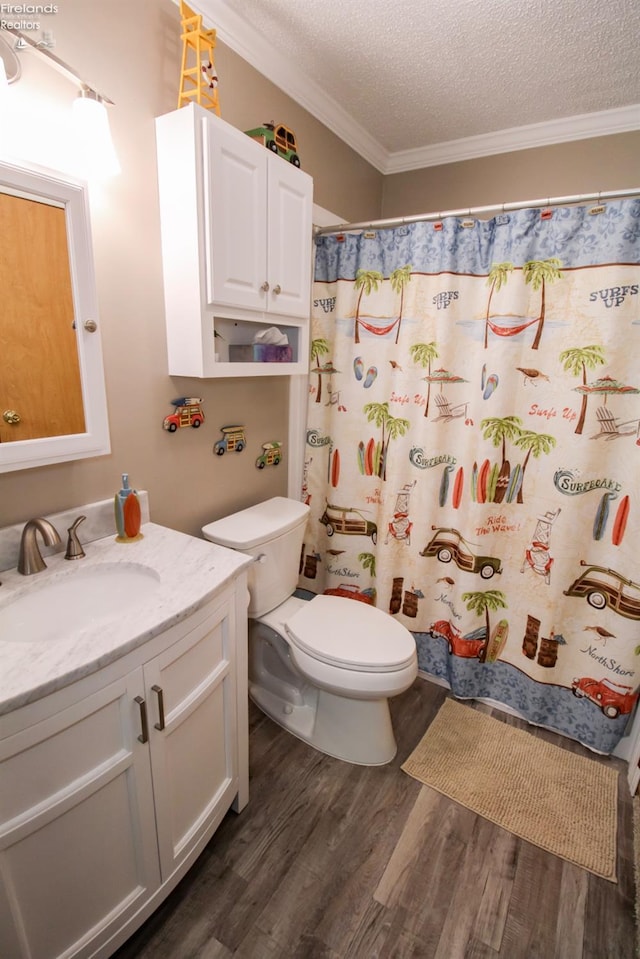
10 416
265 287
277 288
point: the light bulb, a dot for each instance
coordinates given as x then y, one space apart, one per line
97 154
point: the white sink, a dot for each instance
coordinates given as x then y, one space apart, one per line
75 600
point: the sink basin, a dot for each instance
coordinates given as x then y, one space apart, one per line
73 601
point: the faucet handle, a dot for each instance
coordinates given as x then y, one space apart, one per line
74 546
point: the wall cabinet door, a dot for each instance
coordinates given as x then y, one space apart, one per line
78 854
191 696
257 225
289 207
235 209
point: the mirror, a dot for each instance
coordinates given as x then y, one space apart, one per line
52 395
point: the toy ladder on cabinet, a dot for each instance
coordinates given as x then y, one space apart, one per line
198 81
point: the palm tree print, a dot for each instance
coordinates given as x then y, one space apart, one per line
392 427
367 281
399 279
500 430
481 602
498 276
538 273
424 354
535 444
318 348
576 361
368 561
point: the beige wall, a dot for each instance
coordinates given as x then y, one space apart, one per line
564 169
131 52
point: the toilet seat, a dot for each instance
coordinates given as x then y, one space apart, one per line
350 635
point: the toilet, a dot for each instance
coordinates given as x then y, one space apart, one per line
325 668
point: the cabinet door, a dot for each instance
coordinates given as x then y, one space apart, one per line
235 203
193 736
78 853
289 207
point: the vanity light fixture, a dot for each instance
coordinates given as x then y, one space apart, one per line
93 135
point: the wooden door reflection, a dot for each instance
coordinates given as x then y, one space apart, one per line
39 367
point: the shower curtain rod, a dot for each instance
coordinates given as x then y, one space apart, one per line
476 211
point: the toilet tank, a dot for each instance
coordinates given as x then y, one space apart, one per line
274 531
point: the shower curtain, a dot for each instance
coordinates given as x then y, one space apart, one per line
473 449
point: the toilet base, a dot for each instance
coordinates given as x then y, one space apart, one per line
353 729
356 731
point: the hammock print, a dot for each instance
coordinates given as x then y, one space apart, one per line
379 330
511 330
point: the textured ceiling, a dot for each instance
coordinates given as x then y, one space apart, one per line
414 73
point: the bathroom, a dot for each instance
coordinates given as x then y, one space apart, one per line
132 52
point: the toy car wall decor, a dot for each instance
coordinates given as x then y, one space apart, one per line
277 138
271 455
233 439
187 411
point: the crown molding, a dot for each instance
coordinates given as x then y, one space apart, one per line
248 43
580 127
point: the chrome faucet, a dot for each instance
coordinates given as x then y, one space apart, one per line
30 559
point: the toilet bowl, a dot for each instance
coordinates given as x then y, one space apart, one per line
325 668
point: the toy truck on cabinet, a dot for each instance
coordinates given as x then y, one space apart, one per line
277 138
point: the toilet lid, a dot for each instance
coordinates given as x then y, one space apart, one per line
347 633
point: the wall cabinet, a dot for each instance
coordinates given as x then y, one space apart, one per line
236 224
111 789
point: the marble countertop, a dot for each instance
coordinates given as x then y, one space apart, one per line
190 571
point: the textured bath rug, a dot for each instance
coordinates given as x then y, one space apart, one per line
551 797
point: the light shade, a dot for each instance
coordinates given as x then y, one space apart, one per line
96 154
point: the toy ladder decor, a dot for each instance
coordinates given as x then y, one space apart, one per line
198 80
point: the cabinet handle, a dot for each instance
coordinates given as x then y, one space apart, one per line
158 691
277 288
144 735
265 287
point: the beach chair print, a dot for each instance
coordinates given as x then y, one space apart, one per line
446 411
610 428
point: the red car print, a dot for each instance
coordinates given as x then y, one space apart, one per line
467 647
612 698
351 592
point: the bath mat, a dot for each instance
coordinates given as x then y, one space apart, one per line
561 802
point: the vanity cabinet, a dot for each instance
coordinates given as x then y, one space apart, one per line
236 223
110 788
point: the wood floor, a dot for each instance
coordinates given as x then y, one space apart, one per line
335 861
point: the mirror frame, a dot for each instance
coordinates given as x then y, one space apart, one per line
73 195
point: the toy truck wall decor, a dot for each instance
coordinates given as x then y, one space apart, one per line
279 139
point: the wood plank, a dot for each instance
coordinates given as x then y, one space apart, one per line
571 907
